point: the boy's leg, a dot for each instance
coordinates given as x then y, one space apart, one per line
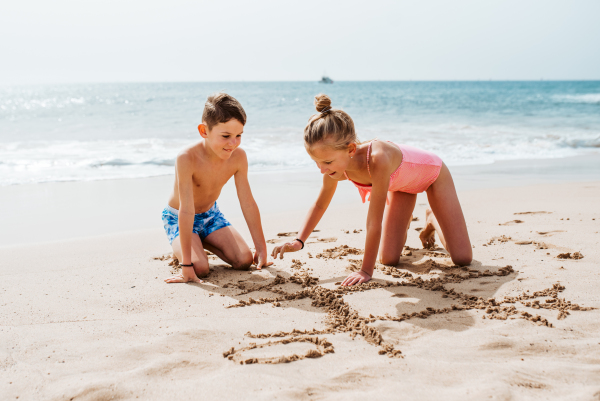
199 258
228 244
447 219
396 221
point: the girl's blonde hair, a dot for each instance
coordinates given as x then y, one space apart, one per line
329 123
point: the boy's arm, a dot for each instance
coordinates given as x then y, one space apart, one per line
314 215
186 213
250 210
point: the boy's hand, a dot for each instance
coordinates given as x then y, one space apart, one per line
287 247
260 259
356 278
188 275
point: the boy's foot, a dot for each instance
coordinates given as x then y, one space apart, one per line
427 235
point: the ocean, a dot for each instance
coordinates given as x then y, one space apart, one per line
81 132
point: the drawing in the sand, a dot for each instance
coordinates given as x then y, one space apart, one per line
428 275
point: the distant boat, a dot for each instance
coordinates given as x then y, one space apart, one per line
326 80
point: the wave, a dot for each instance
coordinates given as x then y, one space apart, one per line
593 98
457 144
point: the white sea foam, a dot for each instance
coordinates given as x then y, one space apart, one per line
583 98
47 161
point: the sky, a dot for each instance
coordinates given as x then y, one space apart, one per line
64 41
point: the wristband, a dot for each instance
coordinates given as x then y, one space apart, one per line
366 273
302 242
190 265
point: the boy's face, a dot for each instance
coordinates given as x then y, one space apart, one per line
223 138
331 161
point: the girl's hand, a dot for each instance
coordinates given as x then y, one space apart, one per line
260 259
356 278
187 275
287 247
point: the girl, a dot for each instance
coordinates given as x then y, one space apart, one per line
390 176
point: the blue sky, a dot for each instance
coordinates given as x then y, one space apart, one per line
264 40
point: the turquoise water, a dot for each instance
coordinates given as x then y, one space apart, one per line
102 131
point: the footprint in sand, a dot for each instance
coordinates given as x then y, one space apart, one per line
545 233
512 222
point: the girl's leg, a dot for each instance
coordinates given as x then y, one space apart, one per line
199 258
446 218
229 245
396 220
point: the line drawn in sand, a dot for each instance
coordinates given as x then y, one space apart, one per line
341 318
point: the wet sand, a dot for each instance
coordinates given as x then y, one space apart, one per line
91 319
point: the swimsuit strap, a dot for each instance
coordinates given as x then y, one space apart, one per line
368 152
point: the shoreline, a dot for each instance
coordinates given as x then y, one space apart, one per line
68 210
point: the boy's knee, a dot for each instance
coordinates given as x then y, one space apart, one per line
201 269
244 262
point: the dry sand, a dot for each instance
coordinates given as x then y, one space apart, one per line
91 318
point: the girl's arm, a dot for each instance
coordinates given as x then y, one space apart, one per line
381 181
250 211
312 218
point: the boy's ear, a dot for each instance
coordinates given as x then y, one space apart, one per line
202 129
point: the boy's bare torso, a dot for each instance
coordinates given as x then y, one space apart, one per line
208 178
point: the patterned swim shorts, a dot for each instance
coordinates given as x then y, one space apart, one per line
204 223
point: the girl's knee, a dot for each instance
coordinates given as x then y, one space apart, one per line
462 258
389 259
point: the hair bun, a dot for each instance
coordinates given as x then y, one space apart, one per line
322 102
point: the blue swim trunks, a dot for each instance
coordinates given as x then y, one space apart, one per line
204 223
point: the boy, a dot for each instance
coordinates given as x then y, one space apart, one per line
192 219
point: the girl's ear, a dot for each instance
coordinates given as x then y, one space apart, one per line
352 149
202 130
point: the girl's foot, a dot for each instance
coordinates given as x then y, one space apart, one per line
427 235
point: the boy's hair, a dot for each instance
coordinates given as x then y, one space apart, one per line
329 123
220 108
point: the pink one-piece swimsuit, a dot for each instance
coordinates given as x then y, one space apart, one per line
418 170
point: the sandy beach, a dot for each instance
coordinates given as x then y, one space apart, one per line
86 315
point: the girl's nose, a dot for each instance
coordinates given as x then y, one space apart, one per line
324 169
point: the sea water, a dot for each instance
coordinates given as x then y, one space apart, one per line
126 130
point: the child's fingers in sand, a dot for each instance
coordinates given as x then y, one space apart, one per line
287 247
356 278
260 259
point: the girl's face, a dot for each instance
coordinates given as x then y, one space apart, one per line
330 161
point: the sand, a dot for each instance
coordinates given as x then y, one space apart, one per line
91 318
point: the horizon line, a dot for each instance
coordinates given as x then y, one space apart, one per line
298 81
